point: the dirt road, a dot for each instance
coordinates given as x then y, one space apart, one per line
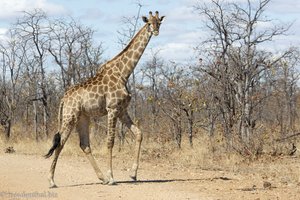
25 177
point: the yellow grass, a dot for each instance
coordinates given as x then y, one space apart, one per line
207 153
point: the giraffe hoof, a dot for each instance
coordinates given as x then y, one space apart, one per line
133 177
53 186
105 182
112 182
108 182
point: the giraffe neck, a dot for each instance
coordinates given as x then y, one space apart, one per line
133 52
126 61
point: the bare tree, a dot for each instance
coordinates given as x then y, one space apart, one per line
178 99
11 84
27 79
234 60
284 91
150 77
32 30
71 45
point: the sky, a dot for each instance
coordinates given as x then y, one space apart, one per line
180 32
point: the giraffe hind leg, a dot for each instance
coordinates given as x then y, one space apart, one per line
125 119
58 144
83 132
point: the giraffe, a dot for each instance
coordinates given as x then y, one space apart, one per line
104 94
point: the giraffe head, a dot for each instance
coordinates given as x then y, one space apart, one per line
153 22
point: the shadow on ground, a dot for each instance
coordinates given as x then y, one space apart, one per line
153 181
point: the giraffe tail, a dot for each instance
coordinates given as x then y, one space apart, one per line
57 136
56 143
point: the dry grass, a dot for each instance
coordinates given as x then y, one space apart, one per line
208 157
207 152
198 157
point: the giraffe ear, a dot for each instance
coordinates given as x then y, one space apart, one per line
145 19
162 18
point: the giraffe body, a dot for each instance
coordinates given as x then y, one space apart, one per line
104 94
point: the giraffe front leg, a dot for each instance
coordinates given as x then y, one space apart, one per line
112 121
139 137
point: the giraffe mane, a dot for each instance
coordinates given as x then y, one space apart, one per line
126 48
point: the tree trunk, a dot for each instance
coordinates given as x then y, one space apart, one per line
45 114
178 135
35 121
8 129
190 124
190 117
178 131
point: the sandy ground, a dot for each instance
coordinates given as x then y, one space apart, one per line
25 177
